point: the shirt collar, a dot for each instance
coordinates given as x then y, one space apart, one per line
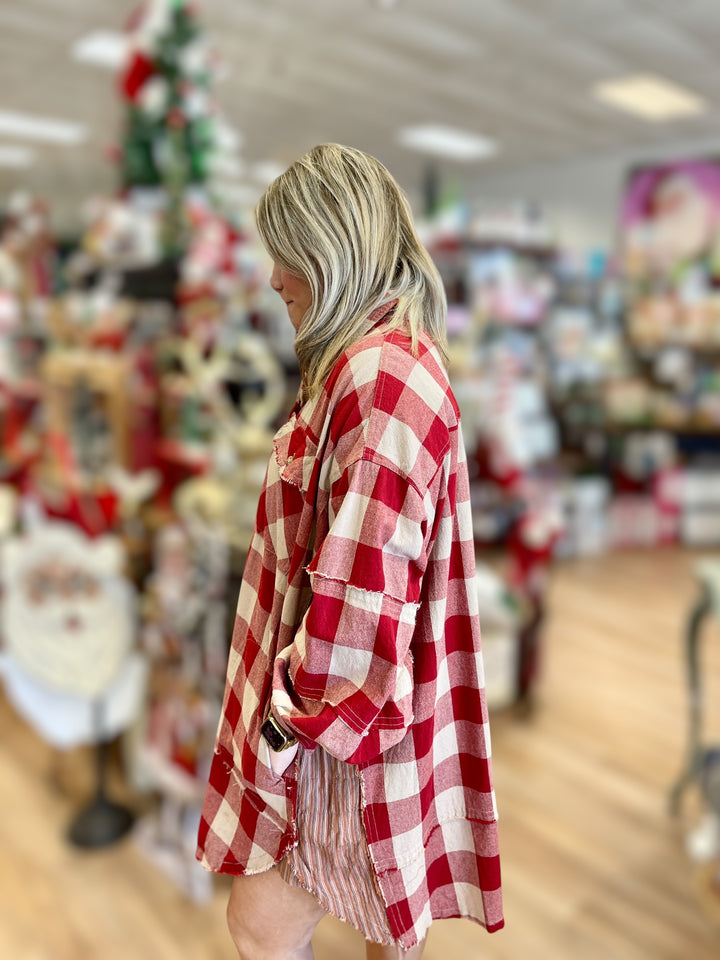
382 314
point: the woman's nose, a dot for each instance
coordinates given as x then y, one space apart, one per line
275 279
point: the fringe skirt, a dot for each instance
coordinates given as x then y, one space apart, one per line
331 859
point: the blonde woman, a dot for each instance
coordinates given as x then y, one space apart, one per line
351 773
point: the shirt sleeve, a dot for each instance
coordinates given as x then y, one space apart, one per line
346 682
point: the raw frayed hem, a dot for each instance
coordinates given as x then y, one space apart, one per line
297 882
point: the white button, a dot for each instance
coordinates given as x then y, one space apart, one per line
290 458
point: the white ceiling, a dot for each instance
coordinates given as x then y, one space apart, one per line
306 71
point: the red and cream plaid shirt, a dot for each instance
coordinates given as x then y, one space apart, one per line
357 620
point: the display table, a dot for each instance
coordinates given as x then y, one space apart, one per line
707 605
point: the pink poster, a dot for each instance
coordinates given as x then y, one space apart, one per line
670 249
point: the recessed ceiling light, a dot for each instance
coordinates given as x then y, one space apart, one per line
16 156
226 136
448 142
227 165
105 48
266 171
48 129
241 193
650 97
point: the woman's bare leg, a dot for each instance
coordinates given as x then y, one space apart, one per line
270 920
376 951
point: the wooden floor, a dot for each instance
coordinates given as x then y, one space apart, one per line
593 867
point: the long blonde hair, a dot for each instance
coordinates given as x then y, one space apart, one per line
338 218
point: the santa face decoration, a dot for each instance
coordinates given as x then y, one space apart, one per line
67 616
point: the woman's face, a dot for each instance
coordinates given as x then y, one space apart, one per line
295 291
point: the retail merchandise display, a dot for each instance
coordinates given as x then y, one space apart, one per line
69 667
138 400
67 614
588 384
649 421
500 293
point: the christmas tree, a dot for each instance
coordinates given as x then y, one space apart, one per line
171 126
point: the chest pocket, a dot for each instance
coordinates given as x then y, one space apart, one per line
291 498
295 454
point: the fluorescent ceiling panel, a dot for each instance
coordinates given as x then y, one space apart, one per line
48 129
650 97
104 48
12 155
448 142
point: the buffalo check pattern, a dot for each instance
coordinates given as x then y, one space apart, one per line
357 624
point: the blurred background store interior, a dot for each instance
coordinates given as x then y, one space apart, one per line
562 159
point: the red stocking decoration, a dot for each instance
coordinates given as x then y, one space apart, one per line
139 68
